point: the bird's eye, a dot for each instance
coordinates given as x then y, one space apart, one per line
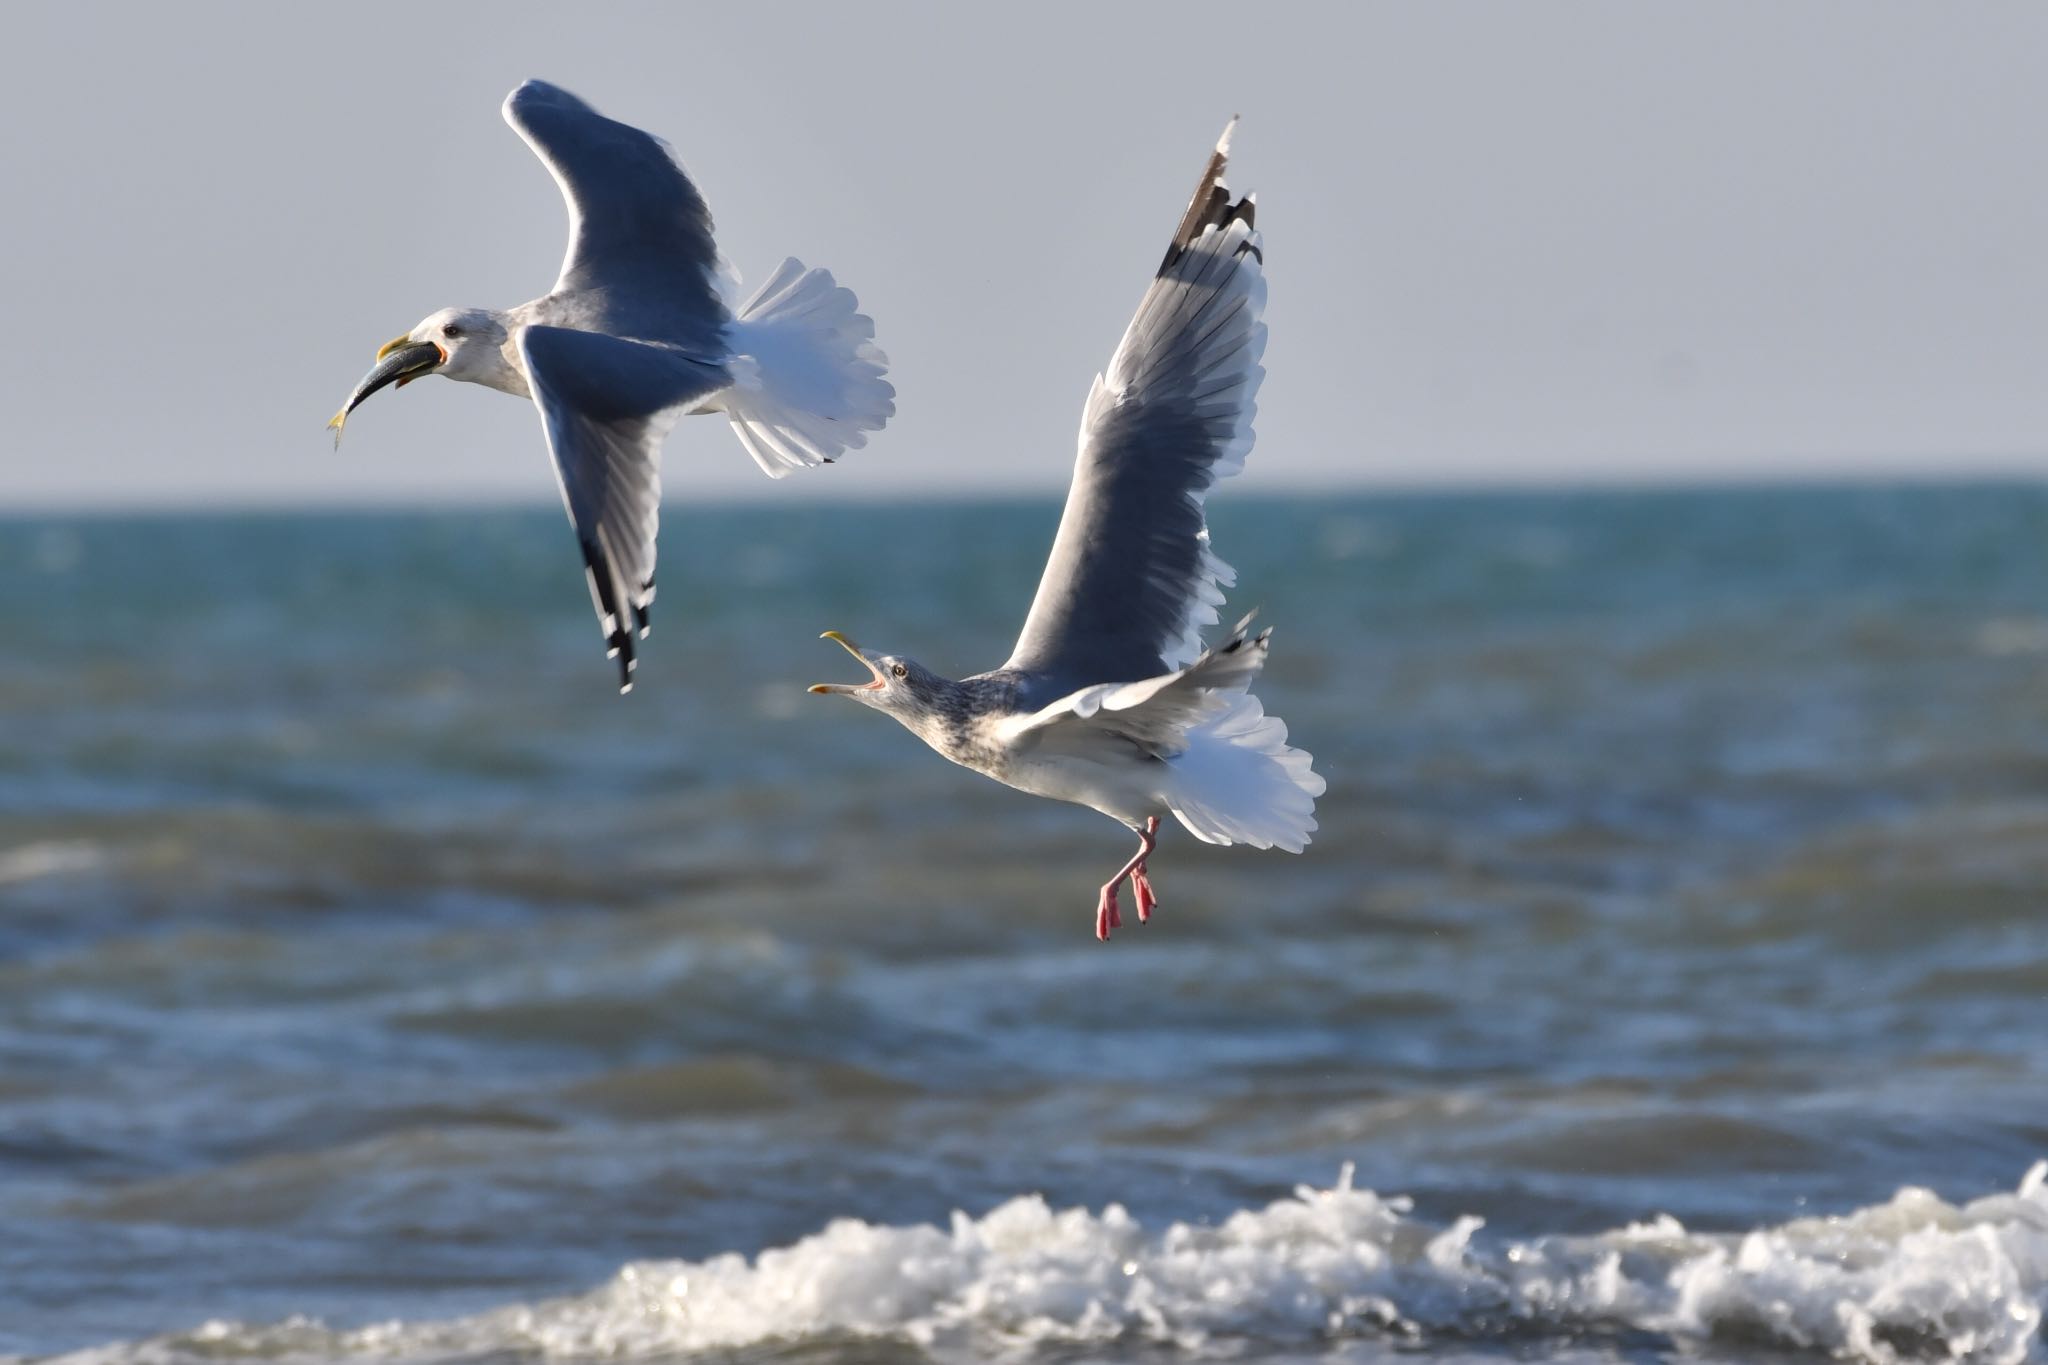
901 670
450 330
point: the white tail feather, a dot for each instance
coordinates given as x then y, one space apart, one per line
807 376
1239 782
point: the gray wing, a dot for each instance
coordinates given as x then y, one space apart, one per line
1131 580
606 406
1153 714
640 248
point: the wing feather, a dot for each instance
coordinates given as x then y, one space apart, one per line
1131 579
1153 713
606 406
641 255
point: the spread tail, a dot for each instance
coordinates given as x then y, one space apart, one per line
807 376
1239 782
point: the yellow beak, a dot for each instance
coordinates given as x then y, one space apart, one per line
850 647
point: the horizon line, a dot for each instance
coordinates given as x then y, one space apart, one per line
452 500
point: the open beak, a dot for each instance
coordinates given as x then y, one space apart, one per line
398 362
849 688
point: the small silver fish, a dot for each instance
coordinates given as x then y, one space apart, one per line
399 361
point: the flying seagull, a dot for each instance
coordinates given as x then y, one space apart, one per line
636 333
1109 699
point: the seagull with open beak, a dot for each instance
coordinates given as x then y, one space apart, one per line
1109 699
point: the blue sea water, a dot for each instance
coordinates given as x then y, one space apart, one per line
1669 975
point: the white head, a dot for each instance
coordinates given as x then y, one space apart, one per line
472 346
458 343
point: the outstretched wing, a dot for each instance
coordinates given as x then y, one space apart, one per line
640 247
606 406
1131 580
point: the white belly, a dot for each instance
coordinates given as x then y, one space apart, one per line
1124 790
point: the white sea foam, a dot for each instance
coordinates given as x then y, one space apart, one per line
1914 1278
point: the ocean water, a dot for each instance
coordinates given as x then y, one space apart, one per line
1669 977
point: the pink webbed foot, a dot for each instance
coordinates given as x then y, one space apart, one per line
1141 887
1106 916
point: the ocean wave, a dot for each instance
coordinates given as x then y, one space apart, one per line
1913 1278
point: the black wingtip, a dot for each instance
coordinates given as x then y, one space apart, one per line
619 646
1211 205
643 609
604 596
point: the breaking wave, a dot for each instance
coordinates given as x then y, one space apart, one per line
1913 1278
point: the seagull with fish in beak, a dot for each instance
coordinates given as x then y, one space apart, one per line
635 335
399 362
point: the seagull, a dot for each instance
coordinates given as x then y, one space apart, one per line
1109 699
636 333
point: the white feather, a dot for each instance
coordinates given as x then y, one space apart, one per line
807 376
1240 782
1229 774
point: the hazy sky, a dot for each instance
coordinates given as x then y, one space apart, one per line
1505 242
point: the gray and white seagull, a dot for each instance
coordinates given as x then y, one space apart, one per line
635 334
1109 699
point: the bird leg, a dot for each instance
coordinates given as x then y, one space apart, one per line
1106 916
1141 886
